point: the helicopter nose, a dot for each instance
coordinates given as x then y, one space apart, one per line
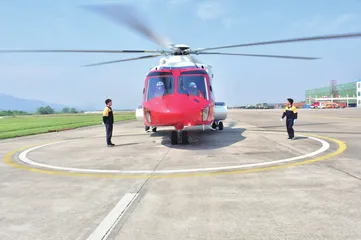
177 112
168 115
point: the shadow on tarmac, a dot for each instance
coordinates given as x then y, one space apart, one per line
300 138
125 144
204 140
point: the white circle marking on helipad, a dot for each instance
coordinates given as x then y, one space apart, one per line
23 157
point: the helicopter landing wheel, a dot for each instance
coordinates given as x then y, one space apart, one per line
174 138
146 128
154 129
214 125
220 126
185 139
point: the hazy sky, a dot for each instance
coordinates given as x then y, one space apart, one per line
59 77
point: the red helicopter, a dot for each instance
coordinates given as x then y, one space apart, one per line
179 91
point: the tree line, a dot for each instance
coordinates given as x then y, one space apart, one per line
12 113
49 110
41 110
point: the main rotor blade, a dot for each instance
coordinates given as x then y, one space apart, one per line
81 51
324 37
123 60
259 55
125 14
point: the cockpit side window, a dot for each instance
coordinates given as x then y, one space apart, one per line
194 85
159 86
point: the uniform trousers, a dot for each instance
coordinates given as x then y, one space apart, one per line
289 125
109 132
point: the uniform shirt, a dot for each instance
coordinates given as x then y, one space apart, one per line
108 115
196 92
290 112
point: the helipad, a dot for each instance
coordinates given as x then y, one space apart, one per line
132 159
251 173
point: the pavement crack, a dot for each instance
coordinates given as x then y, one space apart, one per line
255 128
342 171
135 203
280 144
154 169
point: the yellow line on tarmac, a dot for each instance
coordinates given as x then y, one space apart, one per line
341 148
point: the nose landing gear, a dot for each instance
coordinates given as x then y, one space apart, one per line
184 136
176 135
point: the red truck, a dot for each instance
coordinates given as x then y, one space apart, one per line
342 105
315 105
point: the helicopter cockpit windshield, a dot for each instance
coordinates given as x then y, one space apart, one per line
160 86
193 85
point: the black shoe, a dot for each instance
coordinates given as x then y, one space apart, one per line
110 145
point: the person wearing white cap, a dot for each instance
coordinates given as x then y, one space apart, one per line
193 90
159 91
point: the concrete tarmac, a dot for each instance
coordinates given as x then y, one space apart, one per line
245 182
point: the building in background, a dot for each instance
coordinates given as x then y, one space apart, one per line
347 93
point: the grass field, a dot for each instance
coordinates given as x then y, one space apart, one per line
11 127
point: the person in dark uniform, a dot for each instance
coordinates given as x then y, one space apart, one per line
290 113
108 120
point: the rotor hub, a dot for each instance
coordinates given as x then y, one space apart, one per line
180 49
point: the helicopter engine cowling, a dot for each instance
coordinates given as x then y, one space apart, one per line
139 113
220 111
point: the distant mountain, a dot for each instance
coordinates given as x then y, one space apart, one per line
8 102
